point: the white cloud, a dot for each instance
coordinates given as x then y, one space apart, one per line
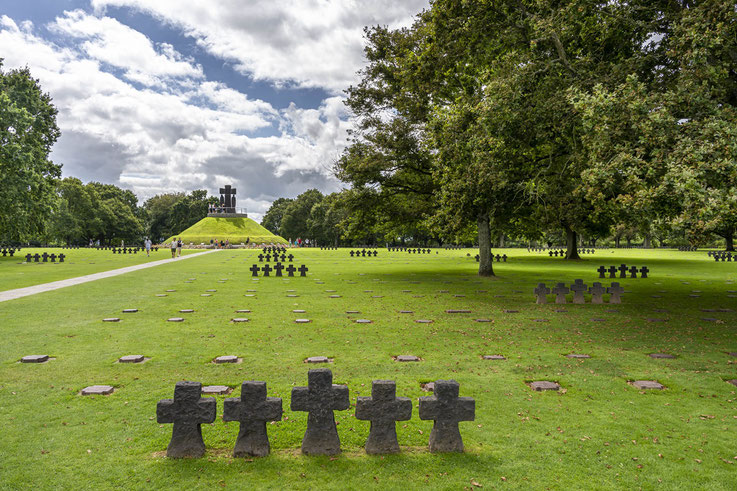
173 136
310 43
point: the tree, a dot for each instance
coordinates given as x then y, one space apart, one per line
27 177
273 217
294 223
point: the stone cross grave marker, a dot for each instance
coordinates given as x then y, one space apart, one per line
446 409
188 410
560 292
302 270
622 270
633 272
579 288
268 257
254 270
290 270
615 291
252 409
383 408
320 398
597 290
602 271
541 293
61 258
290 257
644 271
278 267
612 272
267 269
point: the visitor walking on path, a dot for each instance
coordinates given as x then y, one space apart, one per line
179 247
147 246
173 248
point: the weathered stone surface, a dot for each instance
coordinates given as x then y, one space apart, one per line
35 359
363 321
215 389
457 311
252 409
186 311
111 319
423 321
238 319
226 359
317 359
733 382
508 311
648 384
161 295
406 312
302 321
732 353
206 295
175 319
383 408
493 357
130 311
661 356
446 409
541 385
482 320
577 356
187 411
170 291
97 390
320 398
131 359
405 358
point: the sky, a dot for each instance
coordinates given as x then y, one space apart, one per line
162 96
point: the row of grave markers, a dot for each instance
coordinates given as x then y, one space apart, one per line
409 250
579 288
45 257
364 253
623 269
722 256
188 410
6 252
129 250
283 258
278 268
498 258
272 249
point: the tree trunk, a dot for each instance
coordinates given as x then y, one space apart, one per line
571 244
486 267
501 240
730 241
646 244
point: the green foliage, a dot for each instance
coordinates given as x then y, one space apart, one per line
169 214
273 217
27 177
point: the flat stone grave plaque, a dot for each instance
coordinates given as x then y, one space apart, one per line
131 359
130 311
540 320
710 319
299 311
238 319
405 358
418 296
93 390
175 319
733 382
458 311
170 291
249 295
206 295
242 311
186 311
578 356
459 296
493 357
334 296
541 385
733 353
216 389
665 356
317 359
377 296
161 295
368 291
648 384
406 312
650 319
330 291
560 311
363 321
251 291
111 319
482 320
423 321
292 295
663 311
507 311
226 359
35 359
302 321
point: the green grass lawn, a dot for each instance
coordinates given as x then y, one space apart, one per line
16 273
236 230
596 433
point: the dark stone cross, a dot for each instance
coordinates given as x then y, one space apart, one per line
28 258
351 253
602 271
560 292
579 288
227 198
290 257
61 258
278 267
268 258
45 257
383 408
302 270
633 272
540 293
447 410
290 270
622 270
644 271
615 291
283 258
267 269
252 409
597 290
320 398
187 411
36 257
260 258
254 270
612 271
53 258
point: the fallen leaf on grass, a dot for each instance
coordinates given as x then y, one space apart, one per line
474 483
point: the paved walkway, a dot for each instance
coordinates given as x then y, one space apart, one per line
55 285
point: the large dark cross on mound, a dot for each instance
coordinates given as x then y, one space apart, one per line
227 199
